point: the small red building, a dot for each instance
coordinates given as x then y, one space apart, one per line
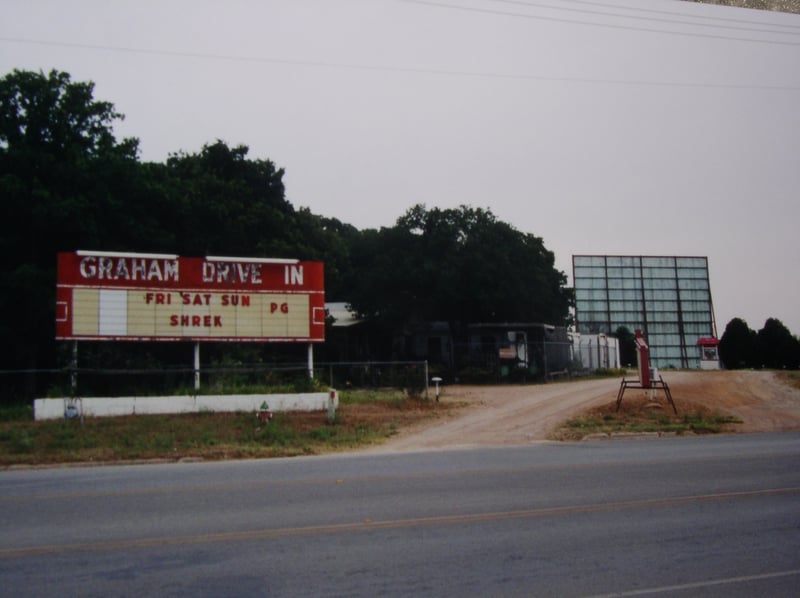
709 353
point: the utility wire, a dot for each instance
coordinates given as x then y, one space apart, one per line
670 13
392 69
670 20
433 3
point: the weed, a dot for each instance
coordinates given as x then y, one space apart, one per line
363 397
164 442
16 412
640 416
584 423
610 372
322 434
206 438
20 442
274 434
363 417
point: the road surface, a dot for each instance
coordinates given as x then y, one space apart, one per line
711 516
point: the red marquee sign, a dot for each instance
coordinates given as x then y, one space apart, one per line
138 296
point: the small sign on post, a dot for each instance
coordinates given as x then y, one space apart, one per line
436 381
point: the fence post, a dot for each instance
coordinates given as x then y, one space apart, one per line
426 379
544 354
73 377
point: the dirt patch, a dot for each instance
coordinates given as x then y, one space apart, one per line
763 400
510 415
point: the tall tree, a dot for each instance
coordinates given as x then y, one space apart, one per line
227 202
737 347
776 346
460 266
58 161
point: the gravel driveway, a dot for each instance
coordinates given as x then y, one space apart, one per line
511 415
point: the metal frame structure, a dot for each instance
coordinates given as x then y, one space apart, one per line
646 379
654 384
667 297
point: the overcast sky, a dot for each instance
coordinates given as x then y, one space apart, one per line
643 127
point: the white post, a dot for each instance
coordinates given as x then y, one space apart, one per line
196 366
311 360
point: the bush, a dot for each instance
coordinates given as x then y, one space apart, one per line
611 372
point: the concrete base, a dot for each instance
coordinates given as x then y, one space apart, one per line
111 406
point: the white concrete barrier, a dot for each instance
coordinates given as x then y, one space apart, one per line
111 406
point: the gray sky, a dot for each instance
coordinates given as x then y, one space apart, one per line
644 127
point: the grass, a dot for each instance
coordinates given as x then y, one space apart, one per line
644 415
363 418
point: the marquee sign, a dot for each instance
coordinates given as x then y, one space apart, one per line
138 296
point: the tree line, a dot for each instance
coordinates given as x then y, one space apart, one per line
773 346
67 183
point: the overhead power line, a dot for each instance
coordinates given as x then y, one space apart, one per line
654 11
391 69
617 26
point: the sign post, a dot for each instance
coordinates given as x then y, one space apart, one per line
643 359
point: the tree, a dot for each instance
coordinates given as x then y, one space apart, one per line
52 113
627 345
460 266
67 183
737 347
330 241
225 202
776 347
59 162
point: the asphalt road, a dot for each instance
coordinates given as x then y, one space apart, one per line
713 516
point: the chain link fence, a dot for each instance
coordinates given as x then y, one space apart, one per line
541 361
24 385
